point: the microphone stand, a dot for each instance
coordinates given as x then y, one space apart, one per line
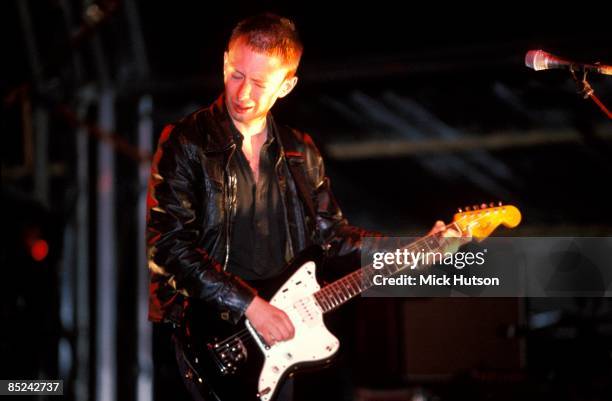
585 89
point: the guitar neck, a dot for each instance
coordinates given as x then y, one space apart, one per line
342 290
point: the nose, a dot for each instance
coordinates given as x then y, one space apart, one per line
244 91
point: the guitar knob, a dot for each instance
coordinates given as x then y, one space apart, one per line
499 203
467 208
264 392
460 210
475 207
491 204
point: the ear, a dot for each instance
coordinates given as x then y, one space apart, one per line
287 86
225 61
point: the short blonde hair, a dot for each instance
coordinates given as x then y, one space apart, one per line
272 35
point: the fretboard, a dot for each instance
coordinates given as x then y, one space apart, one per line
340 291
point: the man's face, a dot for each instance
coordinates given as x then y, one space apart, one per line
253 82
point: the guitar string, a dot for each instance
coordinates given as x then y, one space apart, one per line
246 335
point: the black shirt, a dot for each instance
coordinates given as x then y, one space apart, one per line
257 244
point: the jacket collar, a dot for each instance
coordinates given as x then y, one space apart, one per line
219 129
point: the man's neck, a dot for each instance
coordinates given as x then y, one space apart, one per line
252 128
255 134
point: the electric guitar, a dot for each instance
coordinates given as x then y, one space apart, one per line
232 362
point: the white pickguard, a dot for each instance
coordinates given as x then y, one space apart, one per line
312 341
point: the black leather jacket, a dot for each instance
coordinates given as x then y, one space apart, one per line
192 199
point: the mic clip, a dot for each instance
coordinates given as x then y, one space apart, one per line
584 88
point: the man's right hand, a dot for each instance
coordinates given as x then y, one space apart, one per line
270 322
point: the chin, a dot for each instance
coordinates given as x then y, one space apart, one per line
245 117
240 117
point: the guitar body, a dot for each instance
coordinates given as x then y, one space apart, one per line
231 367
231 362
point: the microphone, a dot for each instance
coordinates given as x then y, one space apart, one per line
540 60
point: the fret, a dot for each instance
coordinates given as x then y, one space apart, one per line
447 241
455 226
333 289
386 270
325 300
328 302
408 262
362 283
414 247
347 285
354 284
329 299
358 277
322 301
370 282
350 288
426 245
332 297
433 241
393 268
343 291
369 273
442 243
354 280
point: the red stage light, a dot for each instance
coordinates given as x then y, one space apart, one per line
39 250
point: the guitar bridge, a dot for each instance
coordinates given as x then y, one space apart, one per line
228 355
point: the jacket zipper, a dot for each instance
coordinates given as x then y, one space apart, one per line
283 189
230 205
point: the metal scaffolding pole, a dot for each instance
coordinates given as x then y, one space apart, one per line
106 275
144 390
82 306
41 164
40 114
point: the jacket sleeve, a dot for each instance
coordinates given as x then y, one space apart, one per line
174 224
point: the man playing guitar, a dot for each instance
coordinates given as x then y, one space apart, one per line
234 196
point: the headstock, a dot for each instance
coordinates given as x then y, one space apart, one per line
481 220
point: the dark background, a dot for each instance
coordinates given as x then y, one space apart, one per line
446 84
